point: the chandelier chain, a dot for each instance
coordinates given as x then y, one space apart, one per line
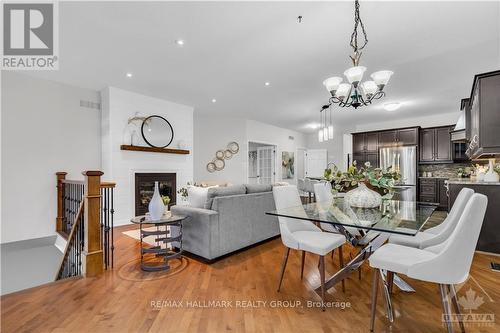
358 22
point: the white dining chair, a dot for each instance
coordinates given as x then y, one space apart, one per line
441 232
446 264
309 185
303 235
301 186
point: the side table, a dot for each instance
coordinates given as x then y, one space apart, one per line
162 237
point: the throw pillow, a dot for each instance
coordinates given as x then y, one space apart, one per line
197 196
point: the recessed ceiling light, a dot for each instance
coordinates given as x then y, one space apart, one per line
129 74
313 125
214 100
179 42
267 83
392 106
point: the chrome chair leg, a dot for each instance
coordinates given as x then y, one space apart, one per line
446 307
375 281
285 259
387 295
302 264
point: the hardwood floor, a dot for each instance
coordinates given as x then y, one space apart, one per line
121 299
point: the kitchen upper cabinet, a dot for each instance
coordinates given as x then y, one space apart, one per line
365 142
408 136
365 148
371 142
442 148
358 142
405 137
435 145
427 145
484 116
387 138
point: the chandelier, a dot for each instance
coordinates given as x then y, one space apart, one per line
356 93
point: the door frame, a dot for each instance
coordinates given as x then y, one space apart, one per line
265 144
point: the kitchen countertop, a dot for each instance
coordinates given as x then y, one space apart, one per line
469 181
434 177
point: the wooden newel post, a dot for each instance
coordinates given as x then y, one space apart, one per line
60 194
92 253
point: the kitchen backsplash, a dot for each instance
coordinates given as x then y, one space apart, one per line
442 170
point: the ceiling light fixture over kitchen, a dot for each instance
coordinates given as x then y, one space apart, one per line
357 93
325 132
179 42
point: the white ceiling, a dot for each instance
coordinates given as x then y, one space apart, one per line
232 48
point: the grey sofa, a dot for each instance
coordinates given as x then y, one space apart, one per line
233 218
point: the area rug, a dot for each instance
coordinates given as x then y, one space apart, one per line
136 234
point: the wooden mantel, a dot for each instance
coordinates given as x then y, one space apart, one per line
155 150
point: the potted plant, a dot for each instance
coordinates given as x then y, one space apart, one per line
365 186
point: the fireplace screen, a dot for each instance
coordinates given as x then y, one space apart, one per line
144 189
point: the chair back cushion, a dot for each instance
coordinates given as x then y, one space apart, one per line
323 192
445 229
286 197
452 264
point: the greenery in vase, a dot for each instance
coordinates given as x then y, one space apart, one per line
377 179
165 199
183 191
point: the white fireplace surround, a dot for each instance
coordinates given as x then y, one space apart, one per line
121 166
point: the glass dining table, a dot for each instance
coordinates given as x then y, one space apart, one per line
365 228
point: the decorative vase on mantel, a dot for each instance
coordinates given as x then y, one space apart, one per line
363 197
156 206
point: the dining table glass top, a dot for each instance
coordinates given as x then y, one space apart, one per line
392 216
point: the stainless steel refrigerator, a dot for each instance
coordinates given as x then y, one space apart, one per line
404 160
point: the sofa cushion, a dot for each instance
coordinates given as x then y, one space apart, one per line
257 188
223 192
197 196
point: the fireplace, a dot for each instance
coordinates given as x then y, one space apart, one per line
144 189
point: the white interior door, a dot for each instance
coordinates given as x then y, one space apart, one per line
300 163
266 165
316 161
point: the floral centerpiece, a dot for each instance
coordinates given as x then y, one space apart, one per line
365 185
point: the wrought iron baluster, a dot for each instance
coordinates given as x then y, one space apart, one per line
112 226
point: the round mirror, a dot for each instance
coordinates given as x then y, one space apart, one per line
157 131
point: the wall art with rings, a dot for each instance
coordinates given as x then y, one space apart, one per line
221 156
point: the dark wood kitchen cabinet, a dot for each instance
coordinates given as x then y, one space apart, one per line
404 136
489 238
433 190
435 145
484 122
365 148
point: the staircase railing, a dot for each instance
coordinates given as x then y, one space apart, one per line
85 211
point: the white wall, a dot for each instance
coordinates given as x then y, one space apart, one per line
336 148
213 133
44 130
120 166
441 119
